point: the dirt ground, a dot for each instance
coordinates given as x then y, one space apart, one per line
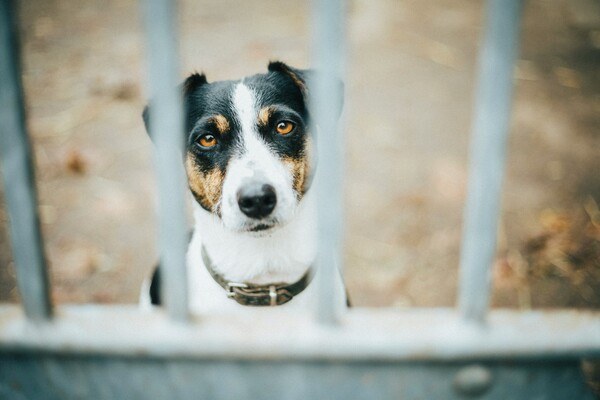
409 84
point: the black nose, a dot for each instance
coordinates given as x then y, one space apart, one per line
257 201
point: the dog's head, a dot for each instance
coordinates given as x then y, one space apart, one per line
248 147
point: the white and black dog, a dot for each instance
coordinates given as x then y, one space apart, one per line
249 163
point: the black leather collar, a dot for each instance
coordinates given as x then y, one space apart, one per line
248 294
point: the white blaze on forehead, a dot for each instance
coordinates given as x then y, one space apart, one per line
256 155
244 105
256 163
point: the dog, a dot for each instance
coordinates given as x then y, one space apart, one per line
250 163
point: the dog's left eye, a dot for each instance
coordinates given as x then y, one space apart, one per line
285 127
207 141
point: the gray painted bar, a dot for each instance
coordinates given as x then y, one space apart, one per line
166 125
18 175
363 334
328 53
488 154
63 378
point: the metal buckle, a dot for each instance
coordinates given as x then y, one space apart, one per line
233 285
273 295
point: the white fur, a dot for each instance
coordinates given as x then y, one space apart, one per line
145 301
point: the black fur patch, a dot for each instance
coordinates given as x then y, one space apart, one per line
156 297
155 285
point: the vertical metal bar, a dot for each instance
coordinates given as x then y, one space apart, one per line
328 53
488 154
166 125
18 175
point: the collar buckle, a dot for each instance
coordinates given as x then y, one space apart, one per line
231 286
272 295
258 295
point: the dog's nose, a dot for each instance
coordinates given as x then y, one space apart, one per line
257 201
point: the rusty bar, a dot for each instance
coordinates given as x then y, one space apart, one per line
328 53
18 175
166 125
488 153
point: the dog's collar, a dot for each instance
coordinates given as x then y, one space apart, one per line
249 294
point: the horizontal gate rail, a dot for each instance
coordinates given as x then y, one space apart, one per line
364 334
288 379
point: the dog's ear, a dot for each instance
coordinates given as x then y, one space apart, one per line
193 82
303 79
188 87
298 76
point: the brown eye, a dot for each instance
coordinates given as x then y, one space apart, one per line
285 127
207 141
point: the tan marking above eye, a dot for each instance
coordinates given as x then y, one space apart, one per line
221 123
285 127
207 141
264 115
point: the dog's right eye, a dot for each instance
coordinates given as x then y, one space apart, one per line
285 127
207 141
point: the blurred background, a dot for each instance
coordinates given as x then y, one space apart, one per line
409 85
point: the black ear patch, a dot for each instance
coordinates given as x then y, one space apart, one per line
298 76
188 87
146 118
155 286
302 79
193 82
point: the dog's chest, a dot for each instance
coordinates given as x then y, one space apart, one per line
207 296
282 256
241 261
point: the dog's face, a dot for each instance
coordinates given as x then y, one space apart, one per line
248 148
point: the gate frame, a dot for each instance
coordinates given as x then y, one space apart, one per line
509 347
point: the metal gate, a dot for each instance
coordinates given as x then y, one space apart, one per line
116 352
